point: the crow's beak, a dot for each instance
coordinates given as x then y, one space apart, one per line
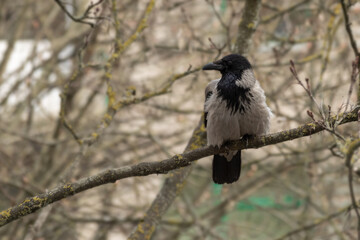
213 66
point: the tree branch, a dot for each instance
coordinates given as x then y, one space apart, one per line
315 223
352 40
247 25
171 188
282 12
348 29
174 184
32 204
84 16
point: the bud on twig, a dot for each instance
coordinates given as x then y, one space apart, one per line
308 84
310 114
292 68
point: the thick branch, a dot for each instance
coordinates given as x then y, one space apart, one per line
174 183
171 188
247 25
32 204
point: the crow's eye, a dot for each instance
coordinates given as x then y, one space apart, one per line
208 95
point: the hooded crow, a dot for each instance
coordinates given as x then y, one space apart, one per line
235 107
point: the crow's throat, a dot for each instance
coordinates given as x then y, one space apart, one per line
238 99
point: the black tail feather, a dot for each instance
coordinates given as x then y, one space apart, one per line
225 171
220 166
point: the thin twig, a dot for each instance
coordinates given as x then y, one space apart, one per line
352 147
315 223
219 49
84 16
324 120
352 40
348 29
307 88
354 75
268 19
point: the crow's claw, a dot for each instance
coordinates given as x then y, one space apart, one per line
247 137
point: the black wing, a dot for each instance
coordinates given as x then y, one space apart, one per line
205 118
208 95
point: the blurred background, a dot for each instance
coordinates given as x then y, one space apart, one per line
59 75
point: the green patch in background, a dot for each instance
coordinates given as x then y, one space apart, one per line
223 6
251 204
217 189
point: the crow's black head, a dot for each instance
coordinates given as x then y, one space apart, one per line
234 64
234 85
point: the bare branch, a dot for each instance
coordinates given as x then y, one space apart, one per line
282 12
348 29
173 185
354 75
324 120
316 223
247 25
84 16
352 147
35 203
